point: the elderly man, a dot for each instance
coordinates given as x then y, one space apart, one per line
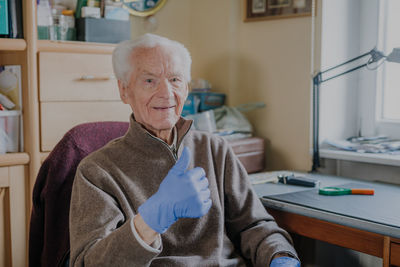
163 194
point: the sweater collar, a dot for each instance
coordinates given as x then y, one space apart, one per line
137 134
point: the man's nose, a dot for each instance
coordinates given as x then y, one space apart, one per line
165 89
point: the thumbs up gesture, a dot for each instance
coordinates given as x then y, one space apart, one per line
182 194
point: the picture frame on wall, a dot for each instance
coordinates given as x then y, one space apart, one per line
276 9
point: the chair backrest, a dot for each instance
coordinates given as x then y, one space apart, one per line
49 225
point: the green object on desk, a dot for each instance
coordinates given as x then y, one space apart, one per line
337 191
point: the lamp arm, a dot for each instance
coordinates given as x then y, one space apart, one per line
317 80
375 57
349 61
345 72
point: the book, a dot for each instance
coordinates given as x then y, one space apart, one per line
3 18
15 19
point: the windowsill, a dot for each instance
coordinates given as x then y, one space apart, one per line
384 159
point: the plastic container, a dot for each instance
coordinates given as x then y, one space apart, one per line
45 20
204 121
202 101
211 100
10 131
191 105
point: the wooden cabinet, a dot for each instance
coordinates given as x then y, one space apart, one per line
13 216
63 84
14 172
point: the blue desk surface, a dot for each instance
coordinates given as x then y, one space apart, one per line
379 213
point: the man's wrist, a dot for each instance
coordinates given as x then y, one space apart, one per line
283 254
145 232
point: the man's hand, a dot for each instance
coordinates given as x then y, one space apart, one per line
182 194
284 262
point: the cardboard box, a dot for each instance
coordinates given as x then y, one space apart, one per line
211 100
202 101
102 30
251 153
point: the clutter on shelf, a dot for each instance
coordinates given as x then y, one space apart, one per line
363 144
208 112
202 98
103 21
10 109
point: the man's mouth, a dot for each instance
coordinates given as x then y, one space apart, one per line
164 107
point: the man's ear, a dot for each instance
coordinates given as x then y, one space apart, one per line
123 88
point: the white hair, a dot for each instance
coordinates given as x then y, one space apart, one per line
121 57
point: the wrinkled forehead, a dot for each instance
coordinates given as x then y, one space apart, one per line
157 59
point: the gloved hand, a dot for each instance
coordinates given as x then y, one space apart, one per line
182 194
284 261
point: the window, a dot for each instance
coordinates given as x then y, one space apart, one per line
388 79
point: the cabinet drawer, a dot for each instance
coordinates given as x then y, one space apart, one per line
76 77
395 254
58 117
244 145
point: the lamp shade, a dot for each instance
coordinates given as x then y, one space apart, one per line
394 56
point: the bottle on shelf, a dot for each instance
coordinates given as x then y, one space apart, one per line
45 21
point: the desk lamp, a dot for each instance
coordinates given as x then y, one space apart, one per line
375 56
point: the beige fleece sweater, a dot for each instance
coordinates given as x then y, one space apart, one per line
111 184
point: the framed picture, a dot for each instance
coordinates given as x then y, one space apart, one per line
276 9
142 8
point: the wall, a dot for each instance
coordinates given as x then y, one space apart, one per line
267 61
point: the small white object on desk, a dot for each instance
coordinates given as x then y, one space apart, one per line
263 177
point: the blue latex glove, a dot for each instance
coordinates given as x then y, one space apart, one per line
284 261
182 194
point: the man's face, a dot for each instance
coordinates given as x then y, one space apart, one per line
157 89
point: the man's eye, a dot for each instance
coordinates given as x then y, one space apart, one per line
174 80
149 80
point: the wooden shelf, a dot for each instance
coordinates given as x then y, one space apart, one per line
10 44
75 47
10 159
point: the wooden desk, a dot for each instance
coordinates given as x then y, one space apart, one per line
360 234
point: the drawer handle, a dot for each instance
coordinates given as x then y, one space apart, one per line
96 78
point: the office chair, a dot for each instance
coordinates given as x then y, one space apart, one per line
49 224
